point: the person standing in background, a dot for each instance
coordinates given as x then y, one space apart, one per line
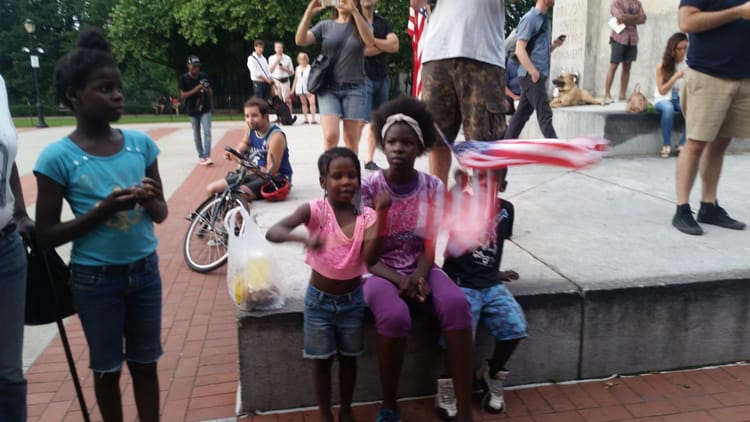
282 69
376 69
624 44
463 73
260 74
195 89
533 49
13 220
715 97
299 88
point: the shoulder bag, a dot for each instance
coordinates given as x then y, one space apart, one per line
637 102
321 69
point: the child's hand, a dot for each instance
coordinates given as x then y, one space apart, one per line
120 200
508 275
383 201
148 190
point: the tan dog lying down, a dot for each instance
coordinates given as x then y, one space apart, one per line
570 93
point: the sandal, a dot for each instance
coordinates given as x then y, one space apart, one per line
666 151
678 150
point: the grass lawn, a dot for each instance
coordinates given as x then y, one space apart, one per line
54 121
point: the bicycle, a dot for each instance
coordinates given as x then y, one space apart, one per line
206 240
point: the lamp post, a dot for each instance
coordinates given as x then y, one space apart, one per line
32 51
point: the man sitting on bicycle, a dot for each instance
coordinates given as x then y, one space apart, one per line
260 135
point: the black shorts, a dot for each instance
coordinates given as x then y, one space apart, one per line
622 53
252 181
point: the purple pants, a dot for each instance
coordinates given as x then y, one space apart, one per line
392 318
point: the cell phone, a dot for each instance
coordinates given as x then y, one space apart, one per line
562 37
329 3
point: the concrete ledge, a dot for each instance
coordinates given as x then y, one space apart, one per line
630 133
572 335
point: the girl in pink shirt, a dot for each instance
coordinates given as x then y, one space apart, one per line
342 240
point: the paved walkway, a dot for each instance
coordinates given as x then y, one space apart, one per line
199 371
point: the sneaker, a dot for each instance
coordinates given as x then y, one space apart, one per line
494 400
714 214
445 400
683 221
608 100
388 415
202 161
209 161
370 165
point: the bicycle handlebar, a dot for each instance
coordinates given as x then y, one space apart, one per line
250 161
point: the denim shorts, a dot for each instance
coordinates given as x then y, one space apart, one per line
377 95
498 310
346 100
117 302
333 324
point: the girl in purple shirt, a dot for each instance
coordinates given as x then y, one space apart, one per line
406 274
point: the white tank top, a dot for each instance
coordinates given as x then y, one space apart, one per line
8 146
303 74
676 87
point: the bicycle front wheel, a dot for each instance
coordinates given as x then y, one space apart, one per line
205 247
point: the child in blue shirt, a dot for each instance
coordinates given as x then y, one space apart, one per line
110 178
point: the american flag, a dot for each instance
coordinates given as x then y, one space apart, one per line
572 153
415 28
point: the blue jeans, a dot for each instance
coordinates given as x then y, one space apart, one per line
377 94
333 324
12 302
667 110
202 148
116 303
344 100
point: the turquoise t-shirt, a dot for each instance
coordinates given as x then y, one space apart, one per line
128 235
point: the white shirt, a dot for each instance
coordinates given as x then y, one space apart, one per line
675 87
303 75
258 66
8 149
286 61
472 29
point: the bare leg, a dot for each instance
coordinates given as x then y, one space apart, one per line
107 391
503 352
391 352
322 379
352 133
146 390
311 100
710 168
330 125
216 186
347 379
625 79
303 103
459 348
687 169
370 146
440 162
610 77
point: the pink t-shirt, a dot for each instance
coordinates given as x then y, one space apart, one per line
340 257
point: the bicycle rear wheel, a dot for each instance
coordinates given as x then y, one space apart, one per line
205 247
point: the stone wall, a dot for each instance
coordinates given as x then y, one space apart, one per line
586 49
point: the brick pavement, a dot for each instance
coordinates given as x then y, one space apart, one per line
199 371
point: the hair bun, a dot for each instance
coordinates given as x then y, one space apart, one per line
93 38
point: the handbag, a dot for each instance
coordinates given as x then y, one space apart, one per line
321 68
48 294
637 102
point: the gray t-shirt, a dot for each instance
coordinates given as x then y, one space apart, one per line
350 65
472 29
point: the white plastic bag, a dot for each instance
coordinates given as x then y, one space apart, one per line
253 278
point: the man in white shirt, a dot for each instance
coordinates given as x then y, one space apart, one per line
260 74
282 70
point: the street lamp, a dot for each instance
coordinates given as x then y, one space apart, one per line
32 51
